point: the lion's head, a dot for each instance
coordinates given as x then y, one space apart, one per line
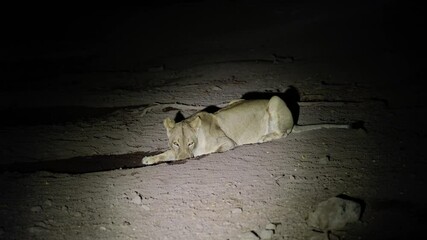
182 136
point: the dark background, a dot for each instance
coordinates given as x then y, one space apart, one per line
46 40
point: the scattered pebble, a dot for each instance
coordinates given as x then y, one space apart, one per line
236 210
136 199
48 203
325 159
102 228
77 214
270 226
216 88
64 208
266 234
145 207
36 209
248 236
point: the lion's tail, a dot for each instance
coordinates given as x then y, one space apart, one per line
310 127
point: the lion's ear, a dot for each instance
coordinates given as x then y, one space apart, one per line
169 124
195 124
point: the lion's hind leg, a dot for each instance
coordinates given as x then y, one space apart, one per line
280 120
226 144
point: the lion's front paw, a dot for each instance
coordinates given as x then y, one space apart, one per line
148 160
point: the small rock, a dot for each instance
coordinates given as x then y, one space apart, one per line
266 234
236 210
77 214
36 209
145 207
48 203
270 226
334 214
216 88
102 228
137 200
325 159
248 236
64 208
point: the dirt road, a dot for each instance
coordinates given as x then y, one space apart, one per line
81 118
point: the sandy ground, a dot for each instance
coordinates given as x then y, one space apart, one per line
75 126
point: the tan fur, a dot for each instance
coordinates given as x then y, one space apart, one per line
240 122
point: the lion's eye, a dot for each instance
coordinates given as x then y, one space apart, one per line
190 144
176 144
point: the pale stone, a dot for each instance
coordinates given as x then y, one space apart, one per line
266 234
249 236
334 214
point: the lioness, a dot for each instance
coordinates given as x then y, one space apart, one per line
240 122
